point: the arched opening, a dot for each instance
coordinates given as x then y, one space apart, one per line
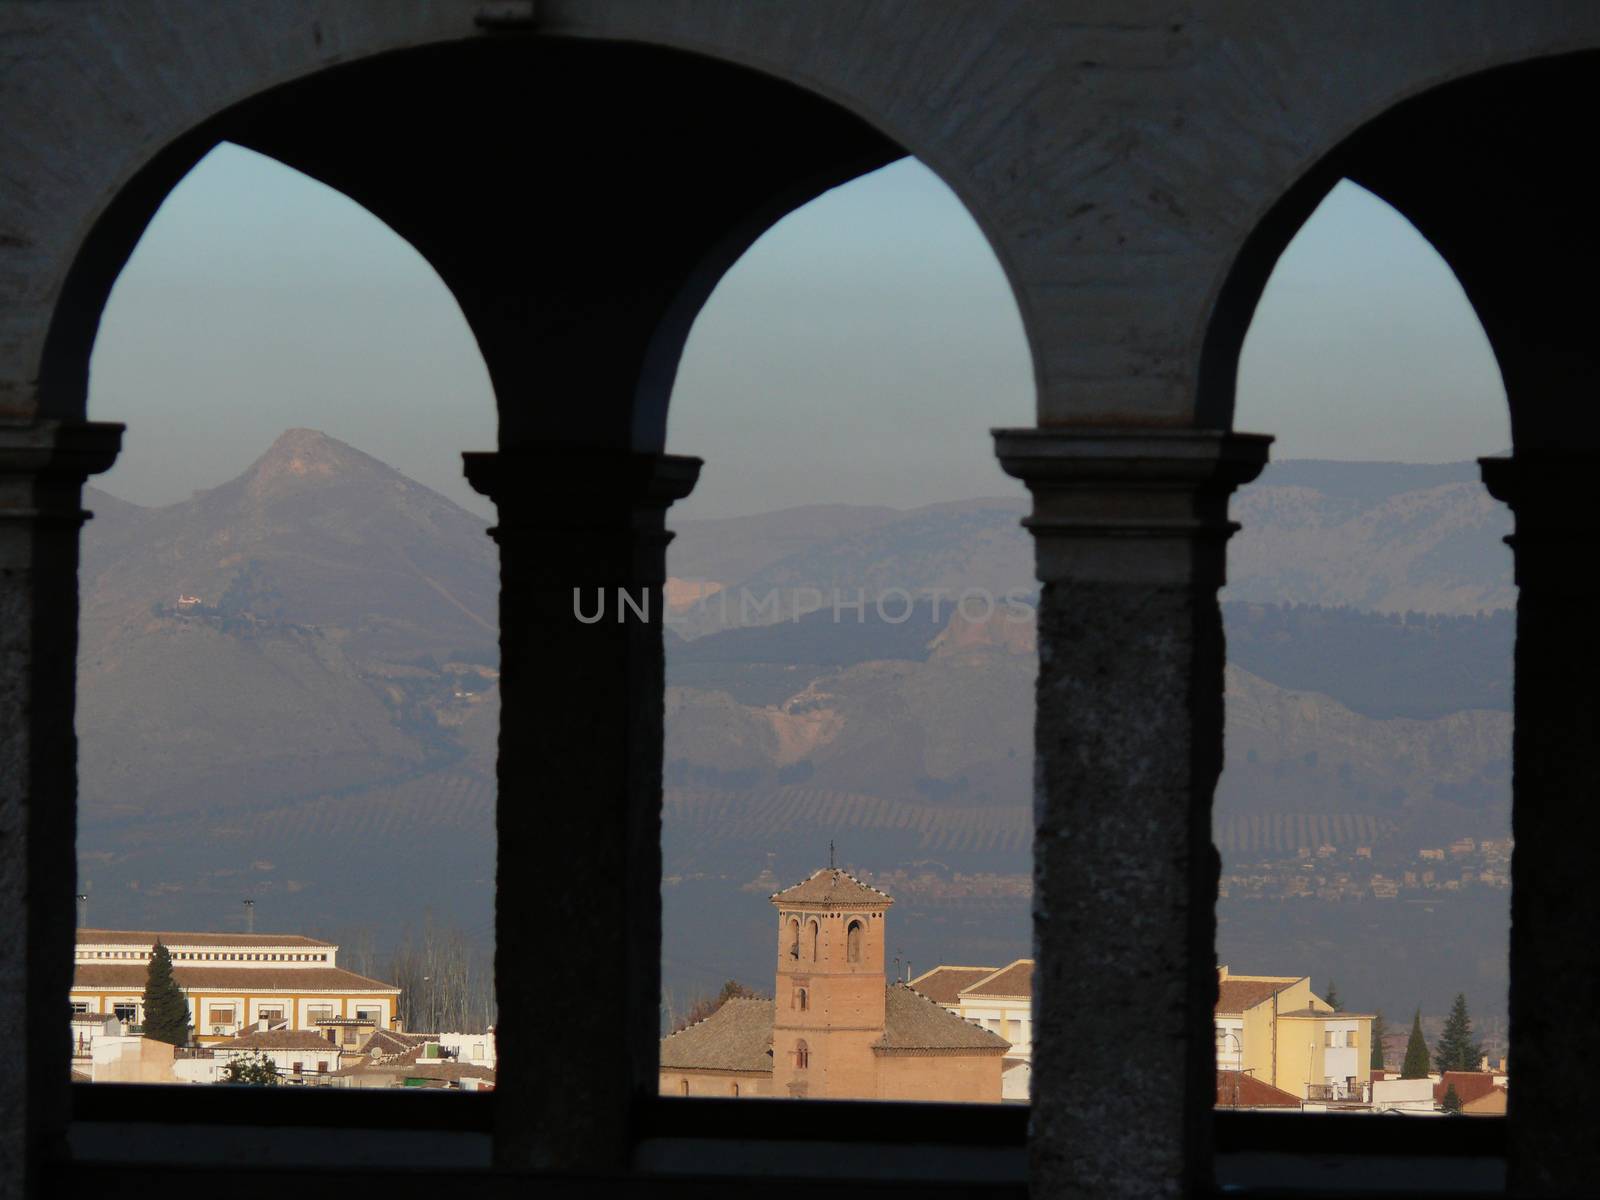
288 613
794 937
733 1090
799 999
802 1055
1369 613
683 1087
850 645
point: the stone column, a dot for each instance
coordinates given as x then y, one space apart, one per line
1555 819
1130 528
578 901
42 469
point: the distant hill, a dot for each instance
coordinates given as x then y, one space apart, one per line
288 689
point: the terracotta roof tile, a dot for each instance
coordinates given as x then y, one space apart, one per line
737 1037
147 938
1235 1089
1469 1085
833 888
1240 995
277 1039
914 1022
942 984
130 977
1015 980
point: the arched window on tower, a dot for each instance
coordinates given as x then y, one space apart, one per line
800 1000
794 937
802 1055
815 931
853 941
683 1087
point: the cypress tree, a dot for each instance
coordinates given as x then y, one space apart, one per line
1451 1102
1416 1063
1377 1043
1457 1049
1332 996
166 1012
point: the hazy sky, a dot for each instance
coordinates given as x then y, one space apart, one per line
858 353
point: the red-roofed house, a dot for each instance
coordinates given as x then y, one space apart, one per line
1275 1028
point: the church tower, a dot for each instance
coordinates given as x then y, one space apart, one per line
830 995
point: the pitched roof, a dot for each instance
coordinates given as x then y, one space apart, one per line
277 1039
835 889
1235 1089
942 984
1469 1085
147 938
1241 995
1015 980
914 1022
388 1042
130 977
737 1037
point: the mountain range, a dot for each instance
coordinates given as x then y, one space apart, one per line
288 691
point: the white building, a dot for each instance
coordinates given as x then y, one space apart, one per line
232 980
298 1055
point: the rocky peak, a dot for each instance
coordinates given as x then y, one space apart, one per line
302 457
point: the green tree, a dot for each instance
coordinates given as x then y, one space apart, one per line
253 1070
1416 1062
1457 1050
166 1011
1451 1102
1332 997
1377 1042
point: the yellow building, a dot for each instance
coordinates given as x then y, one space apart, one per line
1277 1030
232 980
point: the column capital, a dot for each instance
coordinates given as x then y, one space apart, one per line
569 487
1131 505
1551 494
43 465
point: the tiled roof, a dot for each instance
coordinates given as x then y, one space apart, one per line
1336 1014
1469 1085
737 1037
835 888
943 983
388 1042
1015 980
147 938
277 1039
1235 1089
130 977
913 1022
1241 995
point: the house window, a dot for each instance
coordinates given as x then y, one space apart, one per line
269 1014
319 1012
297 1068
221 1016
853 941
80 1008
367 1014
125 1013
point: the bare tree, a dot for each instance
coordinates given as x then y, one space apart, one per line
446 981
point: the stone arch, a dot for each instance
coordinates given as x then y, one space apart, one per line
1452 161
355 127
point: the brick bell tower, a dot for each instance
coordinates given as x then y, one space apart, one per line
829 1001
